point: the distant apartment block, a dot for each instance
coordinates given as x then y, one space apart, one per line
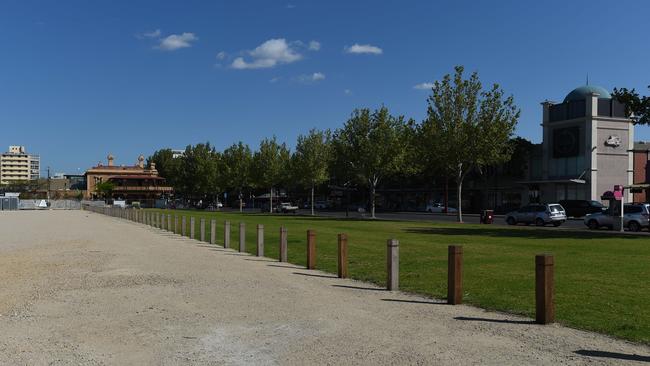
16 165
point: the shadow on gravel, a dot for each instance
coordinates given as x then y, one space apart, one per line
616 355
314 275
417 301
281 266
505 321
530 233
259 260
360 288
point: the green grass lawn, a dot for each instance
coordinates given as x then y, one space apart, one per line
602 280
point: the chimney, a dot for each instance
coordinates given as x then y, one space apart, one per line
110 160
141 161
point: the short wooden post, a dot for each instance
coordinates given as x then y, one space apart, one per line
544 289
213 231
260 240
242 237
283 244
183 225
226 234
343 255
169 222
455 275
311 249
202 228
175 224
192 227
392 264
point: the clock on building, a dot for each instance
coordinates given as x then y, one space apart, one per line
566 142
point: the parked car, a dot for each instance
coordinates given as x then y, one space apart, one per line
540 215
439 208
319 205
286 207
635 218
581 208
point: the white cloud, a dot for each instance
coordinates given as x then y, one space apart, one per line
312 78
269 54
364 48
177 41
290 6
347 91
314 45
274 80
423 86
221 55
152 34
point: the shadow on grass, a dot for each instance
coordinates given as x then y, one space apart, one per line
529 233
417 301
616 355
314 275
259 260
505 321
360 288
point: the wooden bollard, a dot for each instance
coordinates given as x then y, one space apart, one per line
311 249
175 224
162 221
169 222
343 255
213 231
192 227
283 244
202 228
544 289
455 275
226 234
392 264
260 240
242 237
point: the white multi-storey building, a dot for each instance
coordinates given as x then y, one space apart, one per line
16 165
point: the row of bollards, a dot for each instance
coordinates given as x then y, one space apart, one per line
544 263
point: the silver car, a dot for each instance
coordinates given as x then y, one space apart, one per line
636 217
539 215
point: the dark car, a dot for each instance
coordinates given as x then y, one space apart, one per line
581 208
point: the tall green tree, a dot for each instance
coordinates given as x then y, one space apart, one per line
636 107
236 169
105 189
372 145
466 127
271 166
167 166
311 160
200 165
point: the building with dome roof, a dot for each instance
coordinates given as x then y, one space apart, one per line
132 183
586 149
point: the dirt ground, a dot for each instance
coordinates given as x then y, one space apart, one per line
85 289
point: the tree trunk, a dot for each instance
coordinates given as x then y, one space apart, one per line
271 201
312 199
372 201
241 204
460 200
446 195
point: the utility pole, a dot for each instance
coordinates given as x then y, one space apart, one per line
48 185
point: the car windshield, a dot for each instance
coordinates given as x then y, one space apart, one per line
555 208
597 204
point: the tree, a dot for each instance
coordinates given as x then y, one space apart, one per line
373 145
311 158
636 107
466 127
105 189
167 166
199 167
270 165
236 170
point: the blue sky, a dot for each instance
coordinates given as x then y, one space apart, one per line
80 79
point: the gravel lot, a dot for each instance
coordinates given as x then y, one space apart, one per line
85 289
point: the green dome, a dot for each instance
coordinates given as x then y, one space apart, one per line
583 92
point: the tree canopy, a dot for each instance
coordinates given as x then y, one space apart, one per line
636 107
311 160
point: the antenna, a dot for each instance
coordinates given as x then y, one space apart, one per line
587 78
